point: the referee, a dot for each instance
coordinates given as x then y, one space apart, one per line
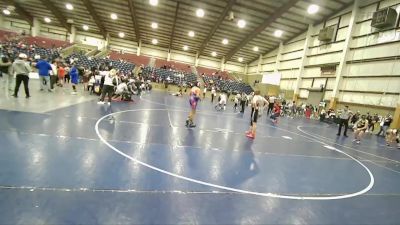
344 120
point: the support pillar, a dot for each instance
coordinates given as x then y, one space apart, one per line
107 41
72 36
139 48
1 21
278 58
396 116
196 60
246 68
223 63
36 27
346 50
169 56
259 64
307 43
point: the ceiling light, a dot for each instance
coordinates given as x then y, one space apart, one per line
278 33
185 48
191 33
200 13
312 9
47 20
6 12
154 25
255 48
69 6
153 2
241 23
225 41
121 34
240 59
85 27
154 41
114 16
214 54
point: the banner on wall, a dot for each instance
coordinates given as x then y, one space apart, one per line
271 78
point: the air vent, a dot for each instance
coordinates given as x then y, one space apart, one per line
326 34
384 18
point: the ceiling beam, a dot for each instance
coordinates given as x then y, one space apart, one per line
95 17
134 20
327 17
21 11
173 27
57 13
216 25
278 13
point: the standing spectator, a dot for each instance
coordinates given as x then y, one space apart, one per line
61 74
21 68
344 120
74 78
67 77
204 92
4 70
43 68
108 87
385 125
53 74
271 104
213 94
243 100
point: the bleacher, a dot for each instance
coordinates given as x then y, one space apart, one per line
82 60
175 77
12 50
226 84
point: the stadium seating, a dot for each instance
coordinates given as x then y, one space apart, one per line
82 60
227 85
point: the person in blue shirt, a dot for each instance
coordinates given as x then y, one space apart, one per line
74 78
44 77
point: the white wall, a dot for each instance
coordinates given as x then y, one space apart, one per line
382 88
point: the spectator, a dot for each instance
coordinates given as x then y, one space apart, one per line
21 68
385 124
5 64
74 78
43 68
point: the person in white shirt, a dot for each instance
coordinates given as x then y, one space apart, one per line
222 101
256 102
53 74
236 101
204 92
213 94
271 101
108 88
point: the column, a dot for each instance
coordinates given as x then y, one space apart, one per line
396 116
36 27
306 50
223 63
346 50
72 35
1 21
278 57
259 64
139 48
196 60
169 56
246 68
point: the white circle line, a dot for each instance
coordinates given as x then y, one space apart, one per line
273 195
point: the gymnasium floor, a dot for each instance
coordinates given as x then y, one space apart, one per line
76 165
